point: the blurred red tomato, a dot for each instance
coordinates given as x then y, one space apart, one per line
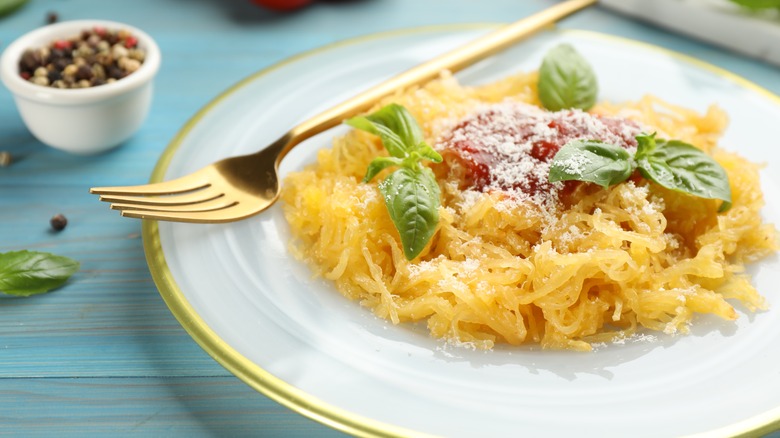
282 5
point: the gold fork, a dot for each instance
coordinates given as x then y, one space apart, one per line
236 188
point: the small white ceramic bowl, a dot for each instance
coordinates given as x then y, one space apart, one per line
85 120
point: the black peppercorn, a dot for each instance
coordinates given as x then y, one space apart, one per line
53 75
57 54
84 72
30 61
52 17
61 63
58 222
115 72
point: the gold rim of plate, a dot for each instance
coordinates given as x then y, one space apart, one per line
286 394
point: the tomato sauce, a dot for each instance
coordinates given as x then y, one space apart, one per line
509 146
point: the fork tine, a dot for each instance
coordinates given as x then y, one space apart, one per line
187 183
230 214
215 204
203 195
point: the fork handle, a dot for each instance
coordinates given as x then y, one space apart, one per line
454 60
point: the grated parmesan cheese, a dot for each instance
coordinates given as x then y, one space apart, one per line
508 147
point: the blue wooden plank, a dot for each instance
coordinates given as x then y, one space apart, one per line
193 407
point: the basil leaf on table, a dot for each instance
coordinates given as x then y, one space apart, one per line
8 6
683 168
566 80
411 193
25 273
592 161
412 199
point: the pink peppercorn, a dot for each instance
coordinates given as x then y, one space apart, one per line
131 42
25 75
63 44
100 30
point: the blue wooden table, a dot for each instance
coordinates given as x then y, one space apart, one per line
103 355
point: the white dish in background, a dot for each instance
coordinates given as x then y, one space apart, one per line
87 120
257 311
720 22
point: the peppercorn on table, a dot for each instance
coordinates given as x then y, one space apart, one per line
103 355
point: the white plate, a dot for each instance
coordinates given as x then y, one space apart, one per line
258 312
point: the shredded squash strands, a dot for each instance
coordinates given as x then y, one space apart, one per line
614 262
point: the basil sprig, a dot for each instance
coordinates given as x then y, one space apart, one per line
566 80
672 164
25 273
411 193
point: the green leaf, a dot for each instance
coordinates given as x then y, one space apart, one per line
684 168
395 125
26 273
428 152
672 164
566 80
645 144
758 4
413 198
8 6
411 193
592 161
379 164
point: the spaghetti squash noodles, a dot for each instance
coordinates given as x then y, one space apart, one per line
517 259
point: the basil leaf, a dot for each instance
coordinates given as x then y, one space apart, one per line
395 125
8 6
672 164
592 161
26 273
566 80
758 4
425 151
684 168
413 198
379 164
411 193
645 144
